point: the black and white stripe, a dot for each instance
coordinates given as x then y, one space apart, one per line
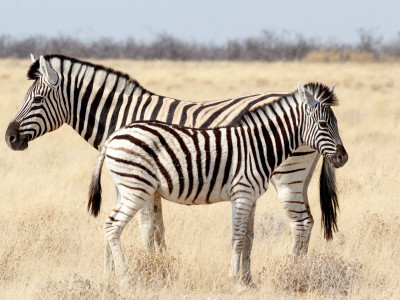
199 166
96 101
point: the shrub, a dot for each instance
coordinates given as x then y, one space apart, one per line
323 273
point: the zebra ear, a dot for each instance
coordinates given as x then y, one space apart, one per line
33 58
306 96
49 74
332 88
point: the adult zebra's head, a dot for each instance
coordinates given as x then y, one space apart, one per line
320 129
41 111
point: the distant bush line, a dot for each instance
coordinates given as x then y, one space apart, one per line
268 46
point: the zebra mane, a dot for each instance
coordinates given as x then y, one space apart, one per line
34 73
322 93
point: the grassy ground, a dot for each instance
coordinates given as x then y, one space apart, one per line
51 248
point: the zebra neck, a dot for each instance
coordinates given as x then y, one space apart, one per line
96 100
276 127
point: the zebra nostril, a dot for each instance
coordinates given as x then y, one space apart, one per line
12 138
12 133
340 157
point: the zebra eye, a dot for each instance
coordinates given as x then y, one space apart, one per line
323 124
38 99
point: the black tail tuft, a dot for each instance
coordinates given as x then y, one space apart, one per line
94 203
328 199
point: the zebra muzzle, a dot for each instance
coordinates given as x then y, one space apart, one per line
14 139
341 156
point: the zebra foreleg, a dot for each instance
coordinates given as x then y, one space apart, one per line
246 271
241 211
301 226
291 181
301 223
299 215
294 200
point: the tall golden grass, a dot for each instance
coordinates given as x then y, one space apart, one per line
51 248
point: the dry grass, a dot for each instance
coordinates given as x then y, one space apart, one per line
50 248
323 273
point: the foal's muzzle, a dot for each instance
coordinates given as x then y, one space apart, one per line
340 158
14 139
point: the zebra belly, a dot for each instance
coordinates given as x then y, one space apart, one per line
217 194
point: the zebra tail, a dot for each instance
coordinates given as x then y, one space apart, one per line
328 199
94 203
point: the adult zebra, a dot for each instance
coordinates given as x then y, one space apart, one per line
96 101
203 166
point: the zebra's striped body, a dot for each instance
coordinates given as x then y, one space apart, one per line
198 166
96 101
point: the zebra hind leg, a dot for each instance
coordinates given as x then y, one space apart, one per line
123 212
159 240
108 262
109 267
146 225
151 225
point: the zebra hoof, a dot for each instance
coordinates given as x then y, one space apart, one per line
248 281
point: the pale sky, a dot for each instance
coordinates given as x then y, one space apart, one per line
202 21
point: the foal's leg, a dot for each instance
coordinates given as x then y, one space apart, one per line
151 225
146 225
291 181
131 202
108 258
159 240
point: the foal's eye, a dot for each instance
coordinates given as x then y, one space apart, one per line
323 124
38 99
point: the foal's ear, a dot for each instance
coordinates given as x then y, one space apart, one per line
332 89
306 96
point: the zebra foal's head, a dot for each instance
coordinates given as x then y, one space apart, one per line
320 129
40 111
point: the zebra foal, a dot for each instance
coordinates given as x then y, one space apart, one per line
204 166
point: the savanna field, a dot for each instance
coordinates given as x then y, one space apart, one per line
51 248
